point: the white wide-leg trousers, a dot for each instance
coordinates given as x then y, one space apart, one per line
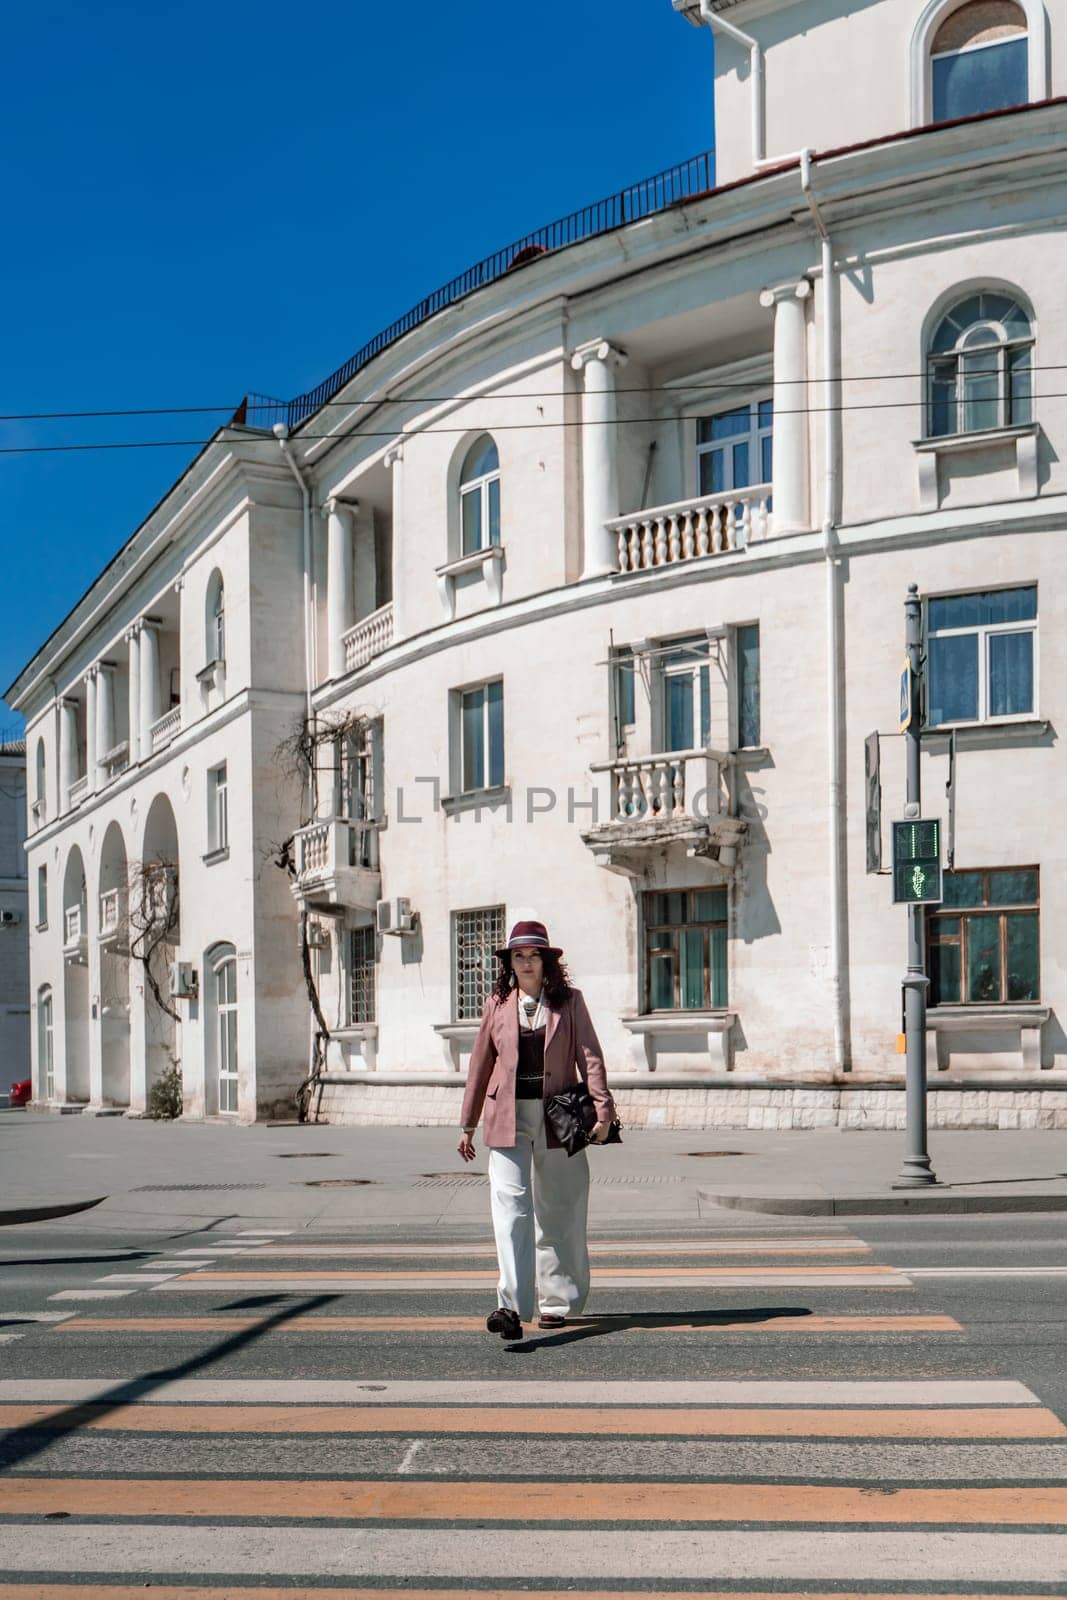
540 1202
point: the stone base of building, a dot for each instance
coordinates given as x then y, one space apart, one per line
430 1100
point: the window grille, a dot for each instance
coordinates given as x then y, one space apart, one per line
983 939
475 937
361 963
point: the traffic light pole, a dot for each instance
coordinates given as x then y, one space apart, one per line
916 1171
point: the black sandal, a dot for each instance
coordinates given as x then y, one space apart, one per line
505 1322
550 1321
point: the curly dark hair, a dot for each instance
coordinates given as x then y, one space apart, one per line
557 981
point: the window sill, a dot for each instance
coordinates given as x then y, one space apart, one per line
42 927
715 1027
212 672
487 563
1025 1018
477 799
214 856
983 734
928 451
356 1030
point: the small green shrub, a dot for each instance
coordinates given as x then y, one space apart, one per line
165 1095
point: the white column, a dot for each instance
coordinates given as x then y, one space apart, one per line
150 711
340 601
90 729
598 363
790 405
68 750
105 715
134 692
394 460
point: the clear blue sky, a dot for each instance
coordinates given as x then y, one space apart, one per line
205 200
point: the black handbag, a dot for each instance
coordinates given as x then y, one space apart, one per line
573 1116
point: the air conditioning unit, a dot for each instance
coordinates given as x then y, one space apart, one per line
318 935
396 916
184 982
9 918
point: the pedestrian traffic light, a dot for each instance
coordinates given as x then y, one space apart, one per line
917 862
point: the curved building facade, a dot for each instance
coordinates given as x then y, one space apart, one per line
584 586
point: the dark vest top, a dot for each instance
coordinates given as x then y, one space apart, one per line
530 1077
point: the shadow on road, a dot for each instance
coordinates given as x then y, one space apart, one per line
597 1327
22 1444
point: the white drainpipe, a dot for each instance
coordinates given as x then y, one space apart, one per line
281 433
831 480
719 24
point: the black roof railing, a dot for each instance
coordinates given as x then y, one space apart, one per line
685 181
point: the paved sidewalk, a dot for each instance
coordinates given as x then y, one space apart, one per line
167 1175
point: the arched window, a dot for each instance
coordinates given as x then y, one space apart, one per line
979 60
479 496
46 1060
215 643
39 807
979 366
224 977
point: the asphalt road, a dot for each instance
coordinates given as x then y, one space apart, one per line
760 1406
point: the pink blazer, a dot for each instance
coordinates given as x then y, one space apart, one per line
572 1051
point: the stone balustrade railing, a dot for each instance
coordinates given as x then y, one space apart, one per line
78 791
668 786
167 729
112 911
116 761
333 842
369 637
73 927
711 525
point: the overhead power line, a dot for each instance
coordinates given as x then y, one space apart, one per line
229 409
400 434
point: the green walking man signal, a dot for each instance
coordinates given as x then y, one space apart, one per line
917 861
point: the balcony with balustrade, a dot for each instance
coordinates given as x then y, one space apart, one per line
368 638
336 861
166 729
75 936
113 925
689 530
676 798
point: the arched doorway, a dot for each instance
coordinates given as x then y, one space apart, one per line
220 1031
155 929
74 1085
114 942
46 1050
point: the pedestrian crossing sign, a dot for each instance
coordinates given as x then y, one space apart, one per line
917 861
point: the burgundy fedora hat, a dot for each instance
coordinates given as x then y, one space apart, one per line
529 936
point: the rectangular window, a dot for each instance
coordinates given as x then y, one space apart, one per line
624 689
361 968
476 935
42 897
218 821
481 734
746 645
982 940
685 950
987 77
685 695
734 448
981 656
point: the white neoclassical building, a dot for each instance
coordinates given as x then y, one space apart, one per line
586 579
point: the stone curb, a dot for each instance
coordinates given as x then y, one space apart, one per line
811 1205
8 1217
